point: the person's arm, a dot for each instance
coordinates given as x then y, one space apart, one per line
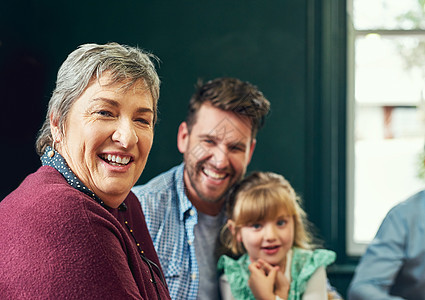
316 286
226 293
94 248
382 261
63 250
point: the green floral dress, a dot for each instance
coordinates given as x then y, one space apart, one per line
303 265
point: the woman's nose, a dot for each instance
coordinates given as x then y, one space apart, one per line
125 134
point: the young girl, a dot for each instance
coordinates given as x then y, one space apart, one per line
267 226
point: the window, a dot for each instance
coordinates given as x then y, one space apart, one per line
386 111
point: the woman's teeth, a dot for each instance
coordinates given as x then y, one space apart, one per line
116 160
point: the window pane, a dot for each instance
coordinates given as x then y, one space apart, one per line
389 126
388 14
385 175
390 70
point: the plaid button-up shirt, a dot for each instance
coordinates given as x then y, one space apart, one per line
171 219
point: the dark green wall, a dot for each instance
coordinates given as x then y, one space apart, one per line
262 42
277 45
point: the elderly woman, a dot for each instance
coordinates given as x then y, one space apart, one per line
73 229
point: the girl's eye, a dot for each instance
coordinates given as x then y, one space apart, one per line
281 222
256 226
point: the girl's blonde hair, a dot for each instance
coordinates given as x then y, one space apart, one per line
258 197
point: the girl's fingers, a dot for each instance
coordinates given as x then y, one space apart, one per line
266 266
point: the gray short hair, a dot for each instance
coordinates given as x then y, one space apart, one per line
124 63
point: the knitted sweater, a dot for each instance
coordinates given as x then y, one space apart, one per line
58 243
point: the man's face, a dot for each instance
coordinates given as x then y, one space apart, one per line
216 152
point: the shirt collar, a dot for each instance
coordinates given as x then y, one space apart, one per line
57 162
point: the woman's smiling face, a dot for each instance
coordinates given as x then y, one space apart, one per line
107 137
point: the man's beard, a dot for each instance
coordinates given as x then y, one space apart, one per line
195 175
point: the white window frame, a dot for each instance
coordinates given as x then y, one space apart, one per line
354 248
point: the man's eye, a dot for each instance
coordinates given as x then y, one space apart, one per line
236 148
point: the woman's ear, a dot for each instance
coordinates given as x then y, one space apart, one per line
54 129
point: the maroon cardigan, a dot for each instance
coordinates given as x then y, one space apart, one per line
58 243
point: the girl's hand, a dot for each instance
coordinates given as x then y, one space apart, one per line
281 284
262 280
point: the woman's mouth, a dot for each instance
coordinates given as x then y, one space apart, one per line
116 160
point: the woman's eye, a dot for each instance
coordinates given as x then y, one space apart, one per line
143 121
104 113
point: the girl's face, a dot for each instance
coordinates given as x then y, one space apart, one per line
269 240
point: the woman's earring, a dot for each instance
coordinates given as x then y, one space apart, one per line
51 153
